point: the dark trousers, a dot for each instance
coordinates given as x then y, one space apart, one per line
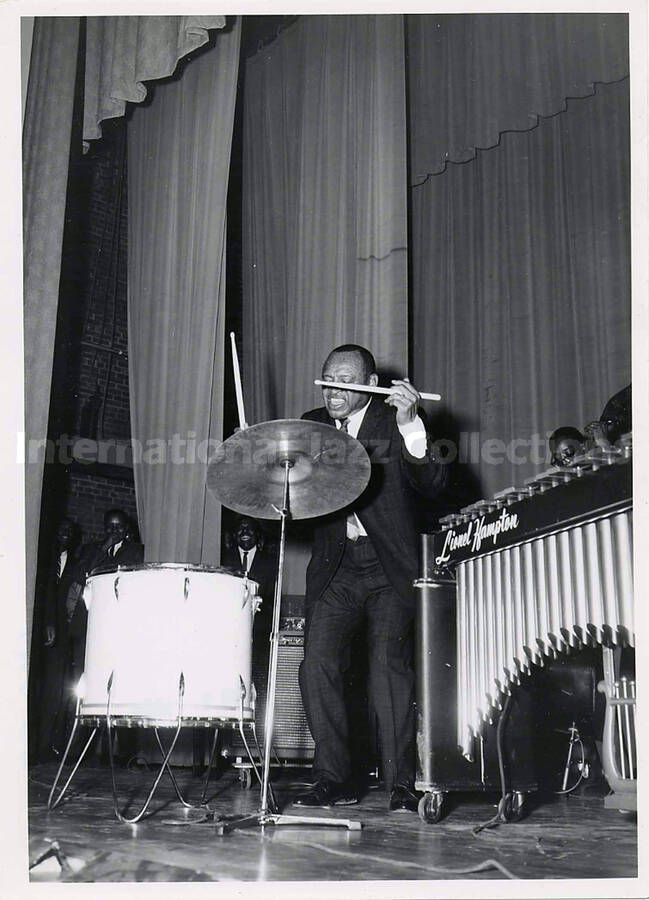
54 688
358 593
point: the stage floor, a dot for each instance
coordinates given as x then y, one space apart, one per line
571 837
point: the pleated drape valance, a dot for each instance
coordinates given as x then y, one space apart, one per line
122 52
473 77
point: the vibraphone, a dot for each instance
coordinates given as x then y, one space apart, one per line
538 570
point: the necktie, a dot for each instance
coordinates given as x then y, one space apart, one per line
244 562
353 525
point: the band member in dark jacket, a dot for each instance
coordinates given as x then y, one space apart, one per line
363 564
248 553
116 549
614 421
55 688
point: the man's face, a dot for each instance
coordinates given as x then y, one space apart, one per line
115 525
246 534
565 451
64 535
345 367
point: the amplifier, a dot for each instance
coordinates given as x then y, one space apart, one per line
291 736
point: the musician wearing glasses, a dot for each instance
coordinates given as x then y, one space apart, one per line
566 445
363 563
614 421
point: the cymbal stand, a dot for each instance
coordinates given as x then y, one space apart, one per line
265 815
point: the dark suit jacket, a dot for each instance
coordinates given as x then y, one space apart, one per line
93 557
57 591
386 508
264 571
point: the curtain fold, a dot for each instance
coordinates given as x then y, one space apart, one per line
46 152
521 285
324 205
473 77
122 52
178 157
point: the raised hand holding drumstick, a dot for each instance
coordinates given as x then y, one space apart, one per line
405 399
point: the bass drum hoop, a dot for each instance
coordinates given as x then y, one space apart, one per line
143 567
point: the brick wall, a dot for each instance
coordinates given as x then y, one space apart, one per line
103 369
90 390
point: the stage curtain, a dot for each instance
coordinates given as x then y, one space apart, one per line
521 284
178 160
472 77
122 52
46 153
324 206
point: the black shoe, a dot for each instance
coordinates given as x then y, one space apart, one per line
326 793
403 797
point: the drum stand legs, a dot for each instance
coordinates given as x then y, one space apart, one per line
51 802
268 813
165 762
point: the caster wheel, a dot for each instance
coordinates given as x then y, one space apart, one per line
511 807
245 779
430 808
518 806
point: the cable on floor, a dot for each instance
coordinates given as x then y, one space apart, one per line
484 866
499 818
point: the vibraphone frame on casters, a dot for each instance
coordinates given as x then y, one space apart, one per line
441 767
540 571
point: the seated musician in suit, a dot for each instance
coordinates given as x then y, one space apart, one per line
247 553
116 549
614 421
362 568
566 443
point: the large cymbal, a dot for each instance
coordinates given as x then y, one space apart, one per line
329 469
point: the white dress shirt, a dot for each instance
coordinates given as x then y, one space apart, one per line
63 558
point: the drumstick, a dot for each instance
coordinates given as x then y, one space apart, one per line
369 389
237 382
